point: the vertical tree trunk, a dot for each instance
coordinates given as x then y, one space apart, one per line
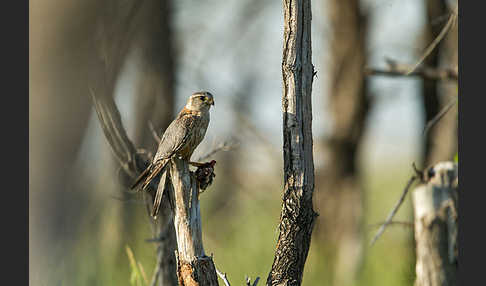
340 196
155 103
193 266
441 140
435 211
297 215
60 38
155 84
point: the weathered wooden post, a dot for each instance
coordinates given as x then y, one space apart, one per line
193 266
435 212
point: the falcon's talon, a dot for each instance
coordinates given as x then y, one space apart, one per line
197 164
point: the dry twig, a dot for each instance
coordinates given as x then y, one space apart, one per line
439 115
394 210
248 281
224 146
395 69
223 277
431 47
154 133
110 121
397 223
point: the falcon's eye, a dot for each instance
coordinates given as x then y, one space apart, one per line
204 97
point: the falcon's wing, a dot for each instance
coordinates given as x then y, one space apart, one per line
175 136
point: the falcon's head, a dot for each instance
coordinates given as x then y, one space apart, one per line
200 101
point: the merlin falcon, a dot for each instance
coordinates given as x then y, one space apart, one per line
180 139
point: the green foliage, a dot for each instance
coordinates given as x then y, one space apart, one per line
240 229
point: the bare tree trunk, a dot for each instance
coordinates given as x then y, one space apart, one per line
297 215
155 103
435 211
441 141
340 196
60 38
193 266
155 85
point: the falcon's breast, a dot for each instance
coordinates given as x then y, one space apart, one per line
197 124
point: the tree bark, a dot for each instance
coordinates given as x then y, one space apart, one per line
193 266
340 196
297 215
435 211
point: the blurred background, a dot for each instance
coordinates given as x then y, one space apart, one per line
151 55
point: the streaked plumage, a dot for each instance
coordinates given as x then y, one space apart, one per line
180 139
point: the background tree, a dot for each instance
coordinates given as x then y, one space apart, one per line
340 191
154 104
441 139
56 133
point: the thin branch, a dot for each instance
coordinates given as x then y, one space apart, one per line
396 223
431 47
394 210
224 146
112 126
248 281
440 19
399 70
439 115
154 133
223 277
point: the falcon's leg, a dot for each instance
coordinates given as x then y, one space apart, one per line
197 164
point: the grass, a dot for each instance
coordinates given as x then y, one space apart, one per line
240 230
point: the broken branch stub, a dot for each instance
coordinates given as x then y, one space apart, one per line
436 225
193 266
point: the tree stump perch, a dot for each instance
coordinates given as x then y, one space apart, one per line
193 266
435 214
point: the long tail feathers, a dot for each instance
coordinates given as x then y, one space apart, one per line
141 177
149 174
158 195
156 169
